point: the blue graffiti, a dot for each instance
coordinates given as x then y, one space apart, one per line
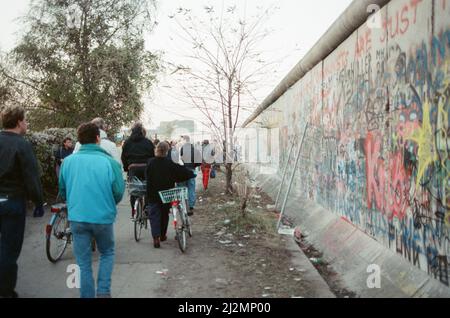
439 46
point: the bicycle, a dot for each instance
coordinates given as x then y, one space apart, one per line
177 197
58 233
138 189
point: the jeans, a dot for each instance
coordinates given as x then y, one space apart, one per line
159 218
12 229
83 233
190 184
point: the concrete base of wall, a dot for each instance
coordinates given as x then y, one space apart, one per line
350 251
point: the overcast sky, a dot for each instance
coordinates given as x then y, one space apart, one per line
297 25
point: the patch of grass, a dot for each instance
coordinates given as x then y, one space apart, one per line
258 222
262 222
221 207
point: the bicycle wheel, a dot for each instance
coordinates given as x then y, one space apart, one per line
188 219
181 231
58 238
138 221
188 227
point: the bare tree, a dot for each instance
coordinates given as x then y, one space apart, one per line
223 69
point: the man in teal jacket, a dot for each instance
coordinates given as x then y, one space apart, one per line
92 184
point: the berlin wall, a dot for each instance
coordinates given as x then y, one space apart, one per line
378 108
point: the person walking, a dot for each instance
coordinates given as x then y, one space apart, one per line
63 151
173 153
92 184
136 152
191 159
162 174
19 181
207 161
105 143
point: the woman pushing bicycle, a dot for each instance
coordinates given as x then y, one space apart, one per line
136 152
162 174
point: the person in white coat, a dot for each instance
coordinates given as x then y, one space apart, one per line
105 143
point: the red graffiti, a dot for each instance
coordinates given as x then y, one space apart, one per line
399 22
341 61
398 188
414 5
404 20
375 172
388 195
364 43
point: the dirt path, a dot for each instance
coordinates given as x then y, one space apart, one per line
231 259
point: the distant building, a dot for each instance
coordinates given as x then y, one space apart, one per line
175 129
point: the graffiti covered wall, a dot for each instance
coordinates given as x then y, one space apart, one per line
379 111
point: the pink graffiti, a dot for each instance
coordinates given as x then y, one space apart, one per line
363 44
398 192
389 195
375 172
405 129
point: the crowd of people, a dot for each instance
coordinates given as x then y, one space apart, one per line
171 163
91 182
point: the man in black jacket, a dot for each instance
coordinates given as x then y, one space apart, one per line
19 180
162 174
62 153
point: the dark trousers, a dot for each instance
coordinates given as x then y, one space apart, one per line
159 218
12 228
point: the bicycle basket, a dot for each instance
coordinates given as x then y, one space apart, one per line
172 195
137 187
